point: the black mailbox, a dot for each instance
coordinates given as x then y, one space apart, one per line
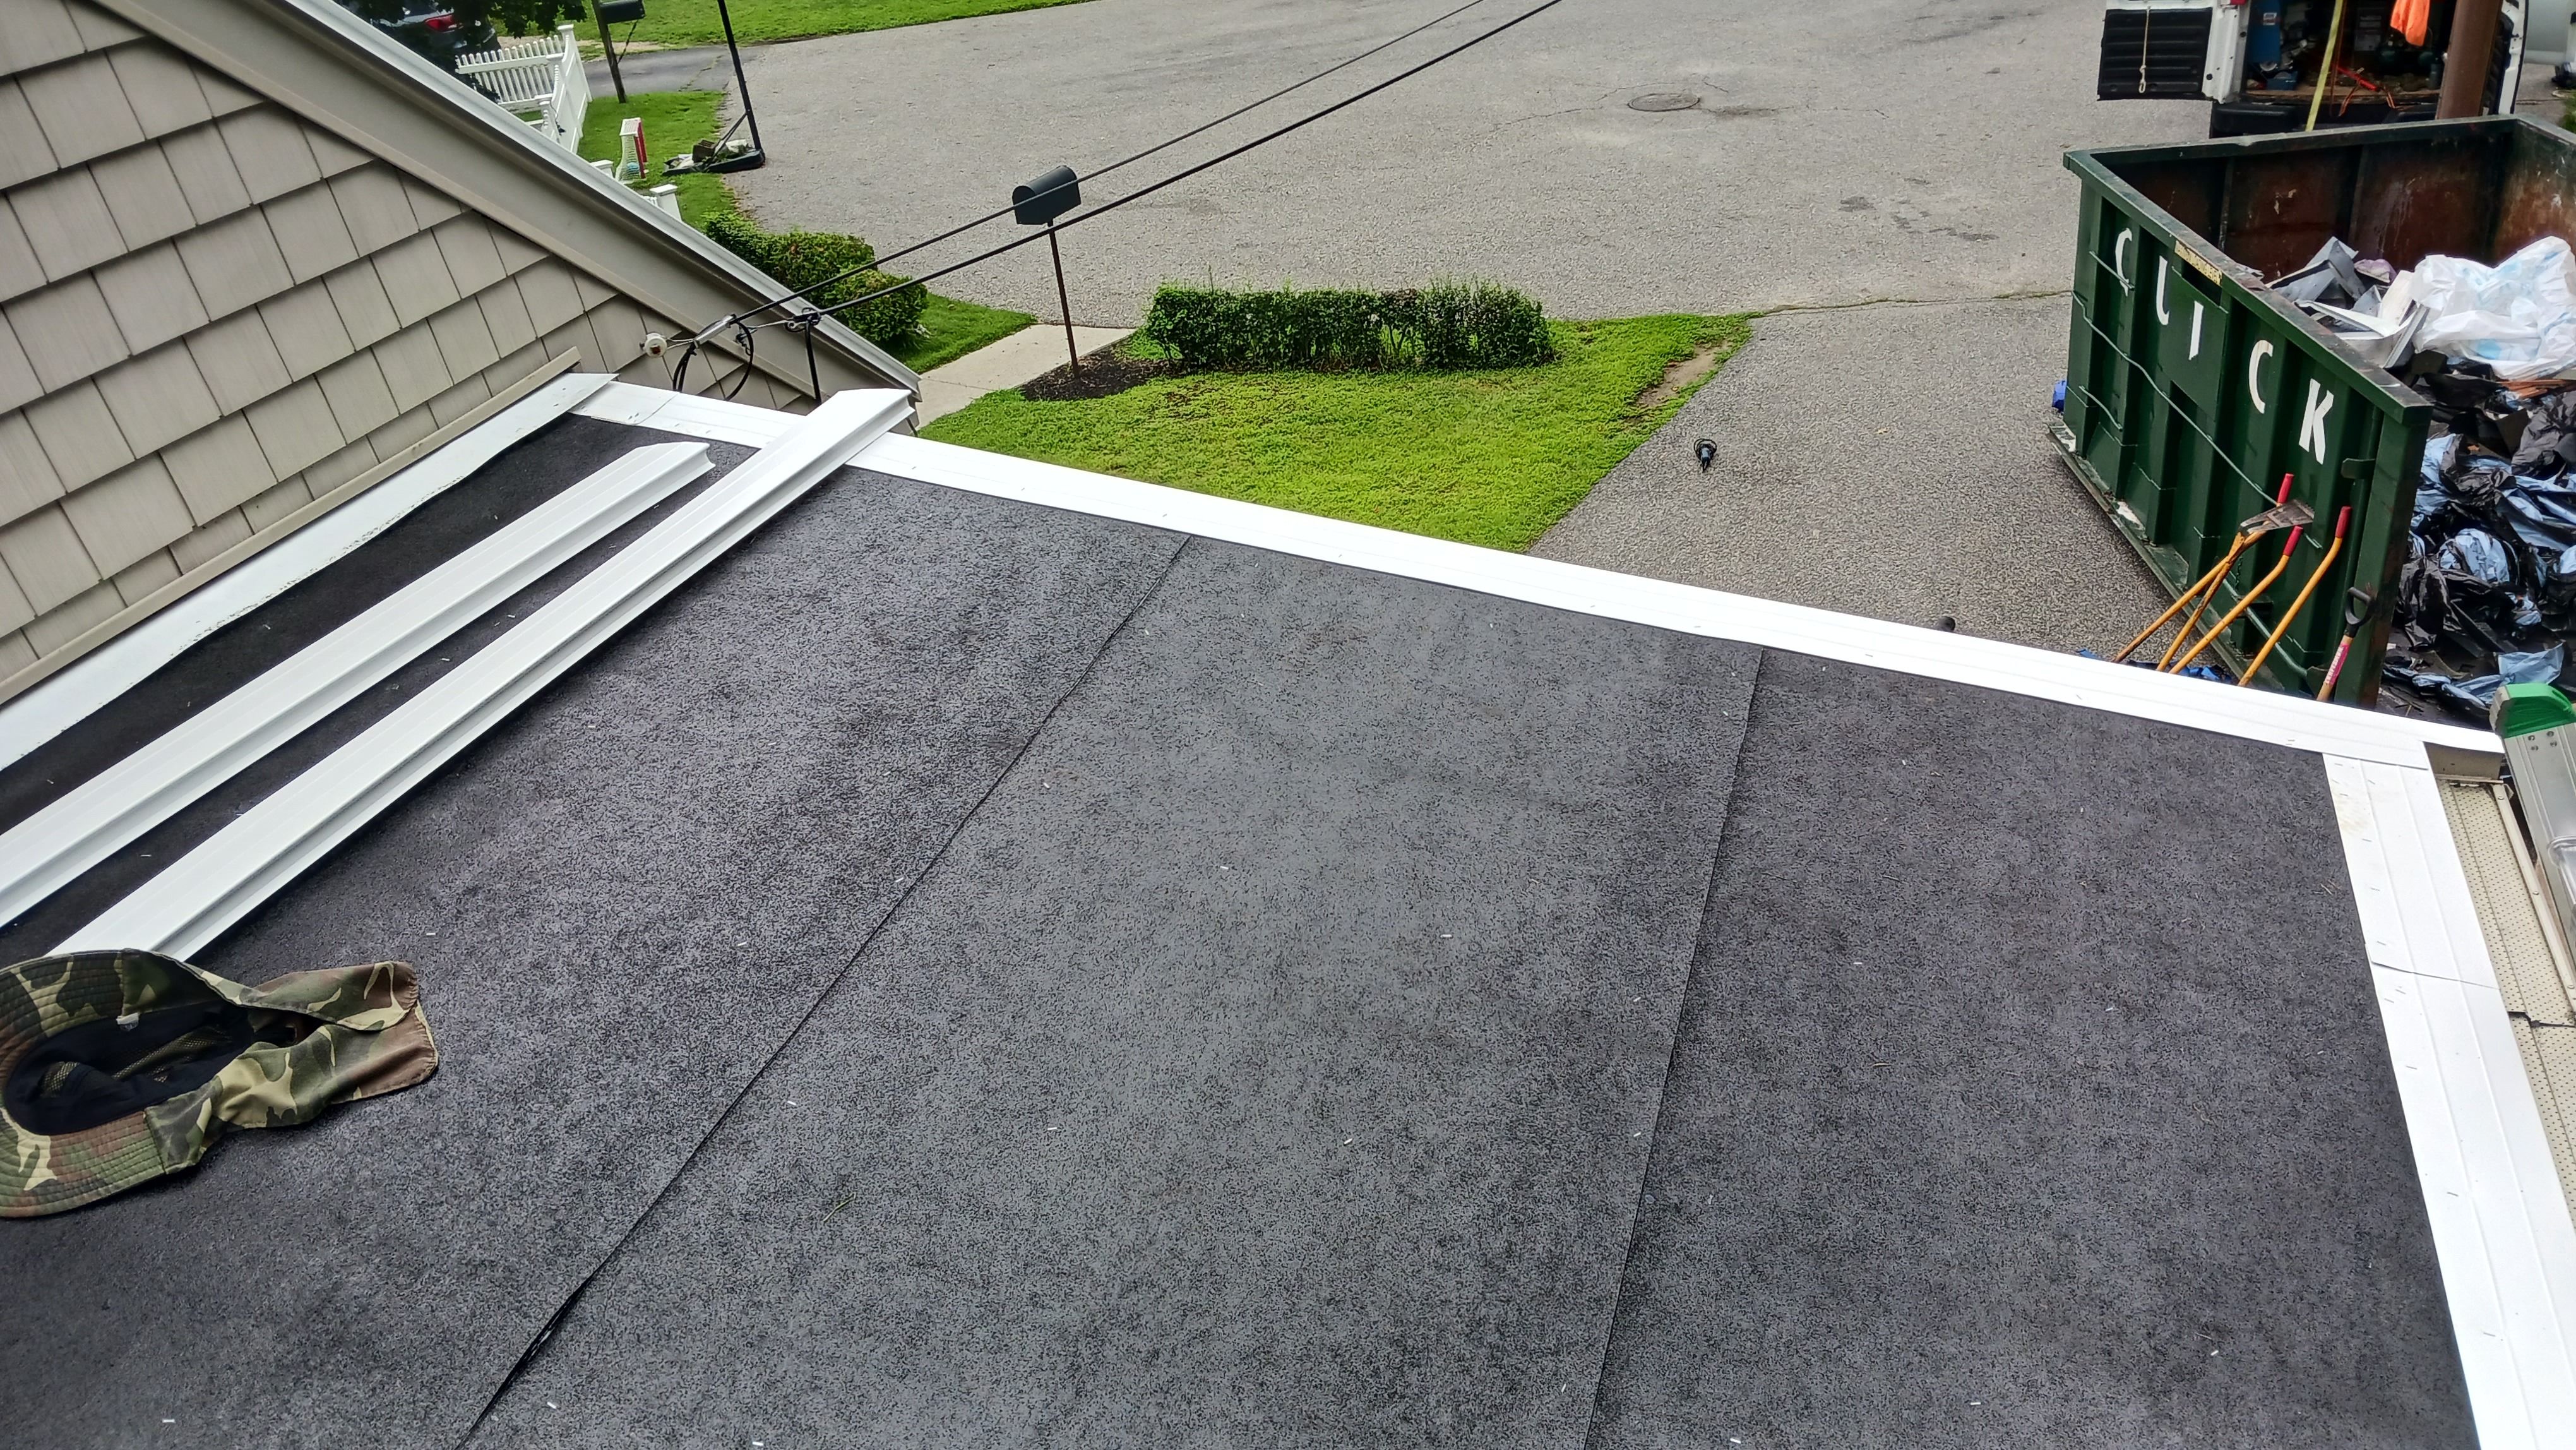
1045 199
618 12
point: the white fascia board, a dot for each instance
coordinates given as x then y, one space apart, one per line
229 875
48 850
1963 659
1934 654
82 687
2500 1221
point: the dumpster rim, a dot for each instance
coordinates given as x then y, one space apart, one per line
2248 282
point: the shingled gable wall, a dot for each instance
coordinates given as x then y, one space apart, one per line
214 313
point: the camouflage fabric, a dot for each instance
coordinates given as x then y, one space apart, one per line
330 1037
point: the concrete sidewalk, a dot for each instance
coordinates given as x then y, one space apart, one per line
1031 352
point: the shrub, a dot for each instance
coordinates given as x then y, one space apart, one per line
1446 325
800 259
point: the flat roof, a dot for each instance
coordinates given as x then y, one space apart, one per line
1008 956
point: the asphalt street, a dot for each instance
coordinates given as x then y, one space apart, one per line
1614 157
1819 155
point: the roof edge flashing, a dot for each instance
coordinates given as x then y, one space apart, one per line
199 897
1802 629
79 687
97 818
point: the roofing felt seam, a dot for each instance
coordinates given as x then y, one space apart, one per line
2031 1093
82 687
619 901
1270 1062
191 903
572 1300
100 816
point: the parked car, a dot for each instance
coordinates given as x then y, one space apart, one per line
435 32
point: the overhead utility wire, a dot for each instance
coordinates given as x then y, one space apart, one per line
806 319
801 293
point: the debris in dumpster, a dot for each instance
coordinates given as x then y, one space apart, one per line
2366 303
2518 317
2488 593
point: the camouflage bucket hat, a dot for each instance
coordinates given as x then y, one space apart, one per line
118 1067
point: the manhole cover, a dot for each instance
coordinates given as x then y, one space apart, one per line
1664 101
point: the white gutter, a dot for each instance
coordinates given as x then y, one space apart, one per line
48 850
229 875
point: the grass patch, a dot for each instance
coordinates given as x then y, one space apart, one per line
950 329
676 120
694 22
1489 457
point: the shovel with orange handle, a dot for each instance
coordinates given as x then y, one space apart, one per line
2246 603
2197 597
2301 602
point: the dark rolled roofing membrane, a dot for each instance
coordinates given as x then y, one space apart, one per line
969 972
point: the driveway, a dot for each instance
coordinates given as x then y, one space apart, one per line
1615 157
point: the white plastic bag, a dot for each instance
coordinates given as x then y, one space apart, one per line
2518 317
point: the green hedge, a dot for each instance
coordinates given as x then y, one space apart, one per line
801 259
1446 325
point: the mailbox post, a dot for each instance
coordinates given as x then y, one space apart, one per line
607 13
1038 204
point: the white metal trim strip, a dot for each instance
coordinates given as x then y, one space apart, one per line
1990 664
47 850
687 413
2500 1225
226 877
72 695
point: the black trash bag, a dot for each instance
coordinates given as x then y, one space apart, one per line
2502 421
2471 696
2461 392
2542 514
2476 554
2456 605
2549 443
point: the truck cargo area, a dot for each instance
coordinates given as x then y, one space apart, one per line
2262 63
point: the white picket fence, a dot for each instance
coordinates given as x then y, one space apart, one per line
542 74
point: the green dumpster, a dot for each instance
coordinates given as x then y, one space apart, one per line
2192 389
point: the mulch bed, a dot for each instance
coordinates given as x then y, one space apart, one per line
1104 374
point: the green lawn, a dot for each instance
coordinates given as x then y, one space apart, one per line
694 22
950 329
1488 458
676 120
